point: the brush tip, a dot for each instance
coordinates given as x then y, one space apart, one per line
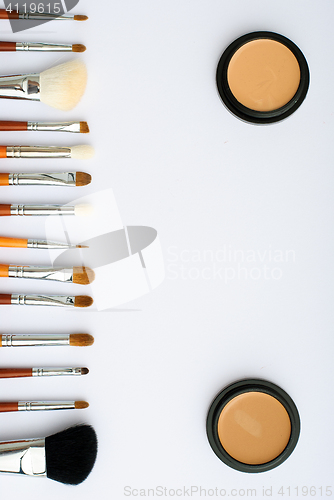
82 179
82 152
78 47
80 18
81 339
84 371
80 405
84 129
83 301
81 246
83 275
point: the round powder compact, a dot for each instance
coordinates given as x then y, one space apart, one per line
262 77
253 425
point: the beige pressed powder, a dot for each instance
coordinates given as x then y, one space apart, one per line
254 428
263 75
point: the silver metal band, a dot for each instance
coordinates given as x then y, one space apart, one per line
43 244
43 47
41 273
34 340
21 86
42 300
23 457
45 405
44 16
42 210
54 127
44 179
38 152
55 372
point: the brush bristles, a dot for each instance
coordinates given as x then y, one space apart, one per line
78 47
83 301
63 86
84 371
82 246
81 339
82 152
83 210
83 275
70 455
80 18
82 179
84 129
80 405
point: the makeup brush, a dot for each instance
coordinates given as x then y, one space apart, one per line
47 340
42 405
67 457
41 372
45 300
39 244
82 152
45 179
77 275
60 87
39 16
74 127
30 210
40 47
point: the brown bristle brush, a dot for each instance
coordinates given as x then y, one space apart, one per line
77 275
39 16
78 179
81 301
40 47
16 126
47 340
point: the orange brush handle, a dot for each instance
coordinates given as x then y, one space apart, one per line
4 210
3 151
8 15
5 299
6 126
13 242
15 372
3 271
9 407
4 179
7 46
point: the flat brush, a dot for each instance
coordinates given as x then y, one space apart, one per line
42 405
41 372
60 87
67 457
47 340
78 275
40 47
81 152
39 16
46 179
39 244
43 210
15 126
45 300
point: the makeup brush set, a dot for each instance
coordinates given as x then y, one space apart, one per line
69 455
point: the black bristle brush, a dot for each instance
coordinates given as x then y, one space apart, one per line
67 457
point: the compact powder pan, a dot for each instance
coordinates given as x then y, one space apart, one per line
262 77
253 425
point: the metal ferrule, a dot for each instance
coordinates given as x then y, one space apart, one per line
44 16
21 87
45 405
42 300
34 340
43 244
23 457
41 273
38 152
54 127
54 179
42 210
55 372
43 47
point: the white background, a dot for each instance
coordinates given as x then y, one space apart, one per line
181 163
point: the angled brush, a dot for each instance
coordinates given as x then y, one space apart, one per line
47 340
78 275
8 299
46 179
16 126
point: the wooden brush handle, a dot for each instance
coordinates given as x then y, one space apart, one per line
6 126
5 299
15 372
3 271
13 242
4 210
7 46
9 407
3 151
4 14
4 179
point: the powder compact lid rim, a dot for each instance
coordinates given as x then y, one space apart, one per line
241 387
254 116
